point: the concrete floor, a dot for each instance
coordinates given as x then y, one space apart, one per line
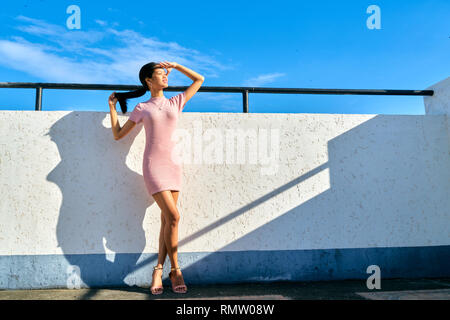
391 289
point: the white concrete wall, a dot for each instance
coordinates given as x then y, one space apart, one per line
325 181
343 181
439 102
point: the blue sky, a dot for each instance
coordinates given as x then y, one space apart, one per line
292 44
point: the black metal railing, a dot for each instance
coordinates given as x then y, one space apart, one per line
40 86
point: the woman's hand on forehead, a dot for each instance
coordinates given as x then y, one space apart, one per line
168 66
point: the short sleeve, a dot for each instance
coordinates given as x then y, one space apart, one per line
179 100
136 114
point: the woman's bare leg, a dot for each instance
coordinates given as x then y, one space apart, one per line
162 244
166 202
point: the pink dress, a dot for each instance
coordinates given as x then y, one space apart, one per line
160 115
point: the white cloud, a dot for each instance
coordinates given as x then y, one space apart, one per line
262 79
64 38
93 56
101 22
35 60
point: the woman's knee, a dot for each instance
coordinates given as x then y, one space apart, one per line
171 217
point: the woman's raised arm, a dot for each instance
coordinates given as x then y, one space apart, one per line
197 78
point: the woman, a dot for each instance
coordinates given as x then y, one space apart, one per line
162 175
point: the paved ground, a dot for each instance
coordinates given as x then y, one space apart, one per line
393 289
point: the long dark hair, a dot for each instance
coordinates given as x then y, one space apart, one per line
146 71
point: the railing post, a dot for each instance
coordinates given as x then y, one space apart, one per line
245 100
38 105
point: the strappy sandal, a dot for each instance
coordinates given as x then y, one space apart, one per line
181 286
159 289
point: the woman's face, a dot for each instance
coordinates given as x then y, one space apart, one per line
159 79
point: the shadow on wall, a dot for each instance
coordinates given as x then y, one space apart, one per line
96 184
388 190
386 185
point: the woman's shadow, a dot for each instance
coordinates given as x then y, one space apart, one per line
100 224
